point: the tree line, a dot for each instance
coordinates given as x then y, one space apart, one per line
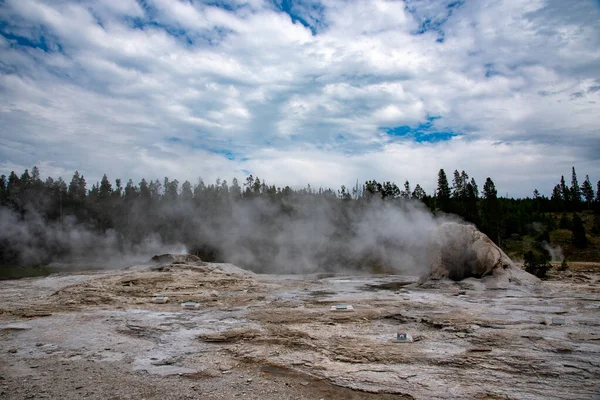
133 211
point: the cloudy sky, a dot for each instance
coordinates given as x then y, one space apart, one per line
302 91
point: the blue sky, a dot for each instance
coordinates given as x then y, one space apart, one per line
297 92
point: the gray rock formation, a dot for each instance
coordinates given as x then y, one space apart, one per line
460 251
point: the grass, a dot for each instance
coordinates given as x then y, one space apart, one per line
18 272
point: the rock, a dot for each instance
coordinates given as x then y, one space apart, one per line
460 251
12 351
176 258
15 327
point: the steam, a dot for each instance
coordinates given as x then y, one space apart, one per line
31 241
555 252
302 234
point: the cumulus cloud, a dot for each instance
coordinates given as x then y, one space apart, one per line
301 92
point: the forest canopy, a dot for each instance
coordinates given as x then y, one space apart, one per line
256 224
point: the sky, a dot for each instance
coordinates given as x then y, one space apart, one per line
302 92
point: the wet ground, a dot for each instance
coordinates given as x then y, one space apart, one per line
98 336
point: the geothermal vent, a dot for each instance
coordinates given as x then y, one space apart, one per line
461 251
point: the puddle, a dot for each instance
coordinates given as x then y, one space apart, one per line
393 286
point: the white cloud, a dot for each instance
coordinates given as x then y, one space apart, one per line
515 78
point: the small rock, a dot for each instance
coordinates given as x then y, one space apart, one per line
15 327
249 380
39 344
304 383
12 351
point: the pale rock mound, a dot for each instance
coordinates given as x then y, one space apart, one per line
460 251
172 262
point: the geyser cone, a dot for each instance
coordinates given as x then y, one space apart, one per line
461 251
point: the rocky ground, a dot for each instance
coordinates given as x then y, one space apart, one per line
97 335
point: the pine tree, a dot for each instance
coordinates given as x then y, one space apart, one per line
186 192
564 189
77 186
490 210
3 190
596 225
578 231
235 189
588 191
575 190
130 190
105 190
443 192
489 190
474 189
118 192
557 199
257 185
406 192
565 222
144 189
418 193
457 185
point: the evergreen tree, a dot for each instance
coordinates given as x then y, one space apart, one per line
257 186
596 225
35 174
77 188
418 193
186 192
557 199
489 190
249 185
575 190
3 190
13 189
118 192
235 189
144 189
566 193
406 193
578 231
130 190
565 222
536 263
490 210
588 191
443 192
457 185
474 189
105 190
